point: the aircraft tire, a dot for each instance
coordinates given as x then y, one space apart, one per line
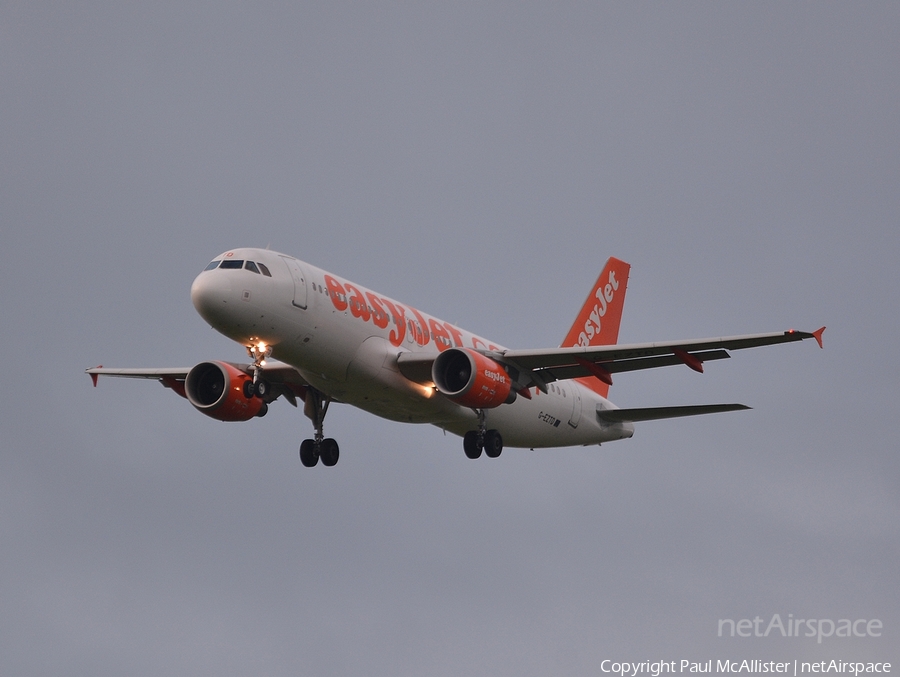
471 446
493 443
263 410
247 389
261 389
329 452
308 454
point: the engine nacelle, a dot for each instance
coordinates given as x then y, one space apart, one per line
217 390
469 378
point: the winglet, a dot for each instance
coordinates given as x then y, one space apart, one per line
94 376
817 334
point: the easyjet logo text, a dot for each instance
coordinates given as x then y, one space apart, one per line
406 323
593 324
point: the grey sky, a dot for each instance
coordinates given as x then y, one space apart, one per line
479 161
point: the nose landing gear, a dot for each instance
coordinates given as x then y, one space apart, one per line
258 387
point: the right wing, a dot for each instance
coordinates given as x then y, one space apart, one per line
284 379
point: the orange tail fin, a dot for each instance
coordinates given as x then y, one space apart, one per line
597 323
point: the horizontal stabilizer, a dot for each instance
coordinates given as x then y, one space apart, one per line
656 413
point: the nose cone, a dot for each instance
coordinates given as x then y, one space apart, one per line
210 294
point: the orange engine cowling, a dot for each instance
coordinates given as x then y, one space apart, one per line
216 389
469 378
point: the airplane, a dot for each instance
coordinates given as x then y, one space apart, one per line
317 338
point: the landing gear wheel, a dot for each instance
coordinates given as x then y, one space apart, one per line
315 406
263 410
309 455
247 389
329 452
470 444
261 389
493 443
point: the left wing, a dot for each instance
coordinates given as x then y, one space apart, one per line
540 367
602 361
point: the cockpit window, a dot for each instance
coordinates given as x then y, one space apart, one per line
212 264
265 270
251 266
232 263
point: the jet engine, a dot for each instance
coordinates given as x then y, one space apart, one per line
469 378
217 390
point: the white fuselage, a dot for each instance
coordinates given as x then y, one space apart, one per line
345 339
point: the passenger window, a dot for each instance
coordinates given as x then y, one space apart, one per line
265 271
251 266
231 263
212 264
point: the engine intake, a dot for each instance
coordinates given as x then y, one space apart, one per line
216 389
471 379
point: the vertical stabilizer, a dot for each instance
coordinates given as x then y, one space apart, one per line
597 323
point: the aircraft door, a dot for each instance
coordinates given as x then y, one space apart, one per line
299 278
575 393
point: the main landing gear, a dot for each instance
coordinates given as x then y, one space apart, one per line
490 441
322 447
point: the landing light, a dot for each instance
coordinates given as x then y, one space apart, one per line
259 353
